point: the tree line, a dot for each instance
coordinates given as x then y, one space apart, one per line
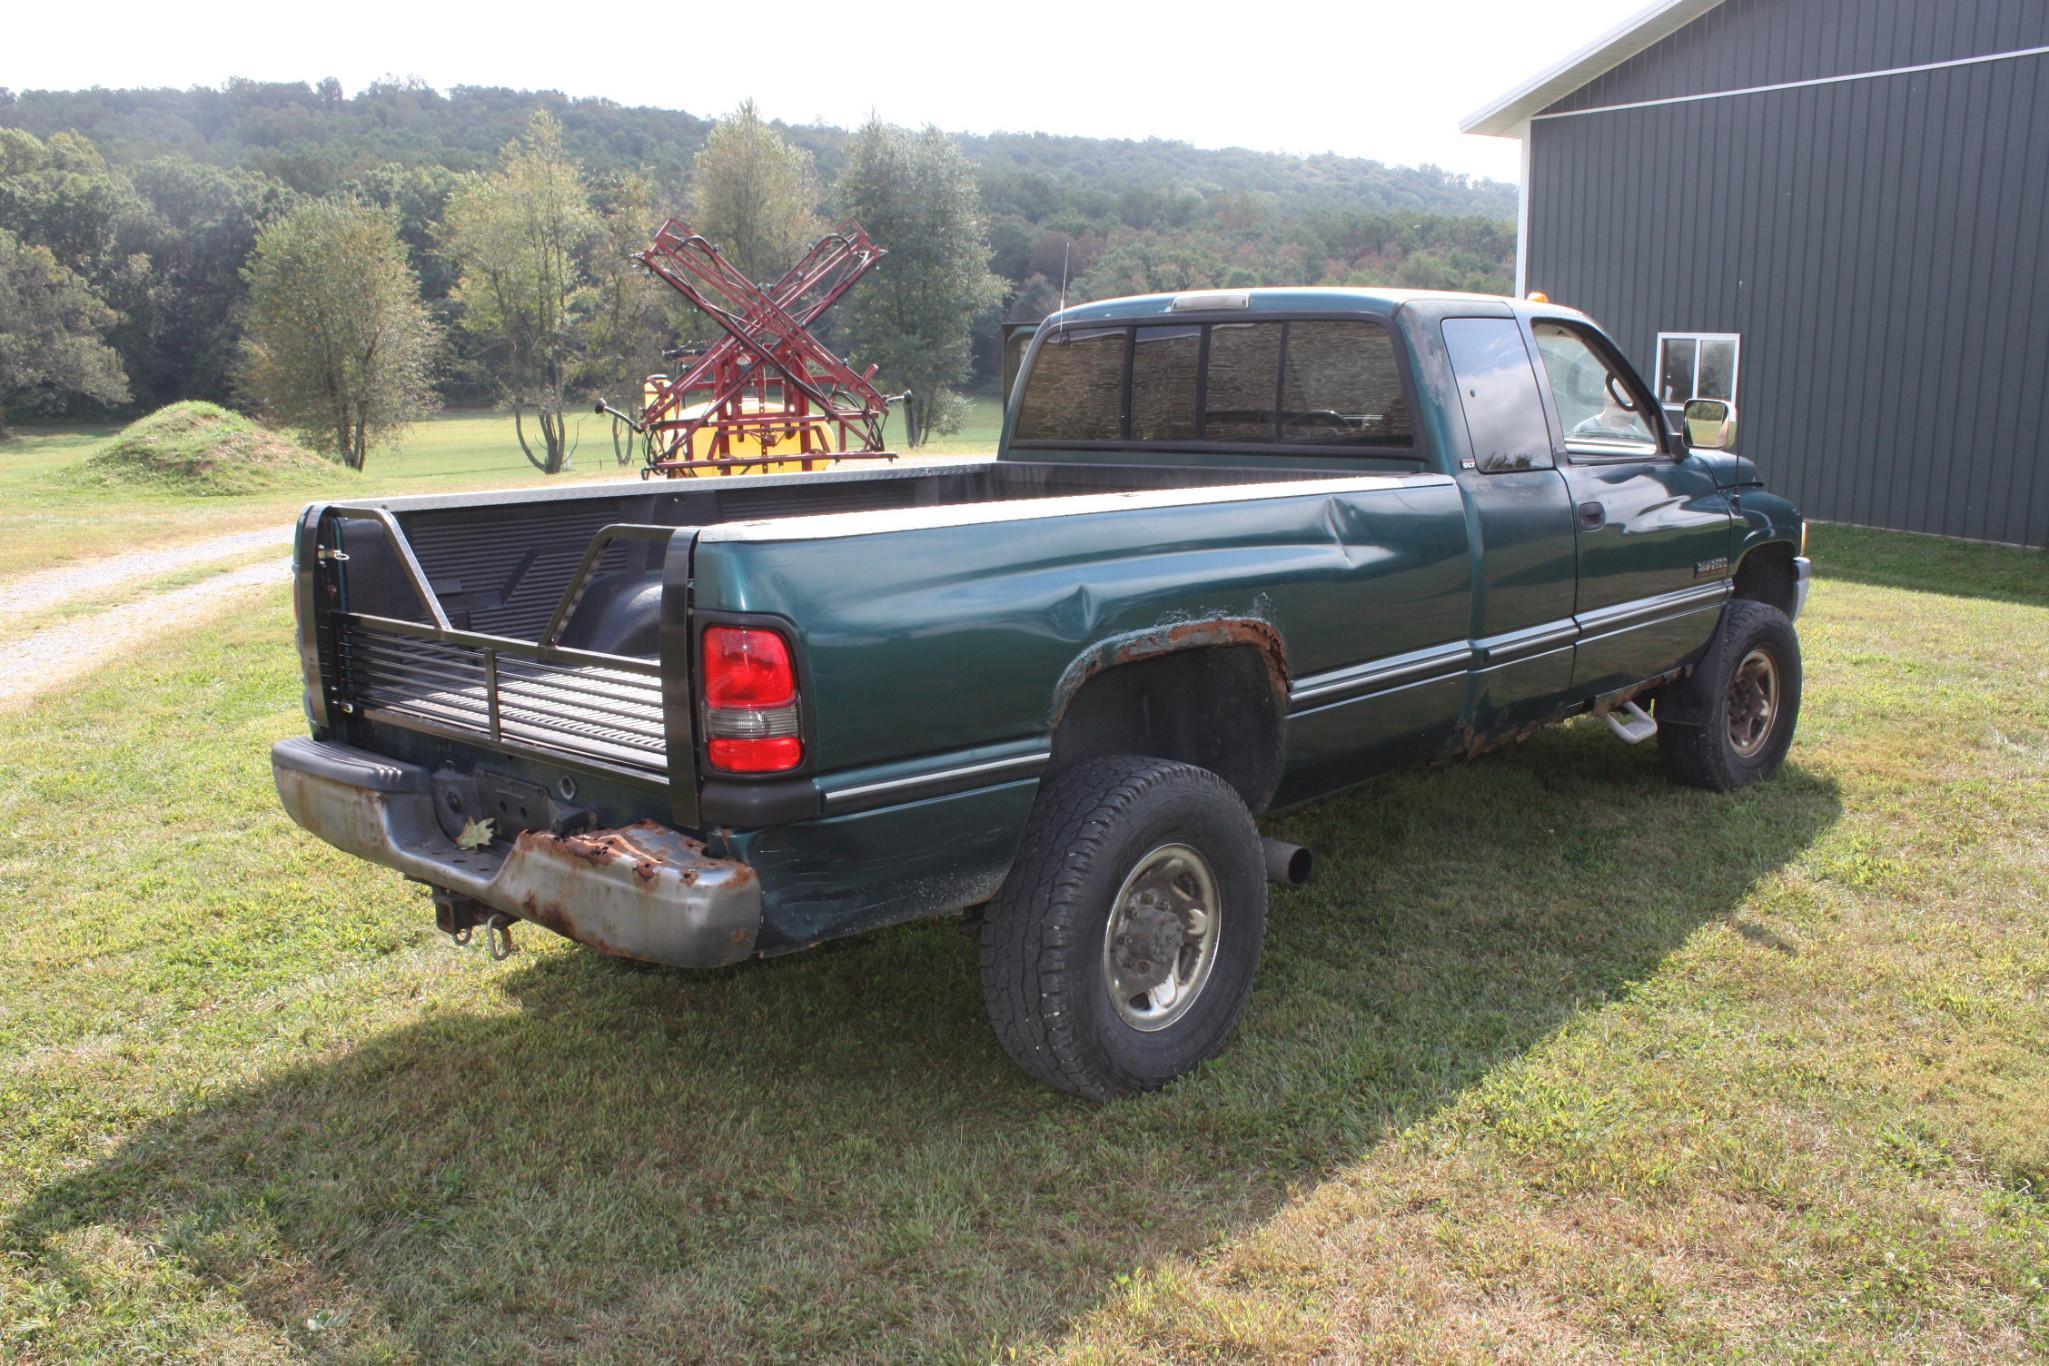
342 264
316 139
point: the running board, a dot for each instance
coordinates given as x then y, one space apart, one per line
1635 727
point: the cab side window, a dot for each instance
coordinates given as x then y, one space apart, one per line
1601 414
1498 390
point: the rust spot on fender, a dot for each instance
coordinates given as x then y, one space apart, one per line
1172 636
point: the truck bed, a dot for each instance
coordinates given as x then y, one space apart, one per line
528 623
499 563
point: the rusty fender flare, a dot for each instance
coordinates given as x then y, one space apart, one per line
1173 637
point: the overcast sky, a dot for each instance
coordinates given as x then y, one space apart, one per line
1381 80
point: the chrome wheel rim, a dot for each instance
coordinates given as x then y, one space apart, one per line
1160 942
1753 703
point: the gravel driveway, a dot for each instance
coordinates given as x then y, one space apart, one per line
53 656
50 587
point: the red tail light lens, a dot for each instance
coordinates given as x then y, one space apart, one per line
747 667
750 701
779 755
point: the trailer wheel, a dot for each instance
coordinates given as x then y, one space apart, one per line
1122 947
1731 722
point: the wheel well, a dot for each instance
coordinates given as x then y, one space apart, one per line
1766 575
1213 707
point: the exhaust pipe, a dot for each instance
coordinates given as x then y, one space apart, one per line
1288 864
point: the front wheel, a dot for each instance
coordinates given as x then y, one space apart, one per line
1122 947
1731 721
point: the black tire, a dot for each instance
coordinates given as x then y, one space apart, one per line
1696 739
1044 974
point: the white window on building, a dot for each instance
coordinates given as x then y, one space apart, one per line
1696 365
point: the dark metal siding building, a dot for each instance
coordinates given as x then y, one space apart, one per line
1832 211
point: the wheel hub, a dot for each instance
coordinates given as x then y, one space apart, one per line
1148 944
1753 702
1160 941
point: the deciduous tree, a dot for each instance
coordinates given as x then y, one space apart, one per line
519 237
181 331
162 241
631 316
51 324
916 195
754 194
339 346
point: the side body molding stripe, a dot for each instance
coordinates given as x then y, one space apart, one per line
1492 652
966 771
935 782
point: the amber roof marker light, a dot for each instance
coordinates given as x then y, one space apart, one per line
1538 296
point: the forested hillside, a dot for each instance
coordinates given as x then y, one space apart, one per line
314 138
154 200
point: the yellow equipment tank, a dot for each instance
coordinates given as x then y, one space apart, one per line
779 433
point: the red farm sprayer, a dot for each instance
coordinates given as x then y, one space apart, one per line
766 396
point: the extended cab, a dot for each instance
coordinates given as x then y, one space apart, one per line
1236 550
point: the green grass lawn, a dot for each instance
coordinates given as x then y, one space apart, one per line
49 515
1554 1059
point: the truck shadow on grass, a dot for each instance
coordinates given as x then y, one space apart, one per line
829 1155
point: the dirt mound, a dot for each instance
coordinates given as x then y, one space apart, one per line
201 448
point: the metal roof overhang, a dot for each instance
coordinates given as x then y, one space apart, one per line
1509 116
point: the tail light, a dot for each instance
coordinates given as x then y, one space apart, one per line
750 701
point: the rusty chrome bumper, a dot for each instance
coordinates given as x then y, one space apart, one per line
642 891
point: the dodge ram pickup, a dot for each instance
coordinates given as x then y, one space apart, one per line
1236 550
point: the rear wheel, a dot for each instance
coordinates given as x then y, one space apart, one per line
1731 721
1122 947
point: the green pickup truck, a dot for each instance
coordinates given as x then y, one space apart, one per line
1237 549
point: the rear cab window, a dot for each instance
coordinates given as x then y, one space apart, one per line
1332 384
1075 390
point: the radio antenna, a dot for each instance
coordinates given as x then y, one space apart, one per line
1064 252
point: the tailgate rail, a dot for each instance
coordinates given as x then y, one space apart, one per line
531 697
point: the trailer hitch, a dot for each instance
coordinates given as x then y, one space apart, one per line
498 935
455 915
458 916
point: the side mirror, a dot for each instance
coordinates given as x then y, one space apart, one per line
1710 424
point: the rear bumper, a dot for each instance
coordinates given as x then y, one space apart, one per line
1803 579
642 891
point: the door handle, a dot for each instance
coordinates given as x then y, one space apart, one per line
1592 516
